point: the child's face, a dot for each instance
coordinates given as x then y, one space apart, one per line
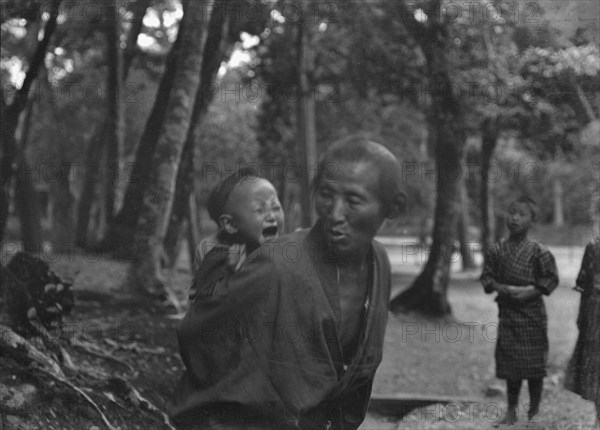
253 211
519 218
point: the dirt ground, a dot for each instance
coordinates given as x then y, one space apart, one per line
452 357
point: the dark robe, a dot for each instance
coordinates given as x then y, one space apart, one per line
265 349
522 345
583 372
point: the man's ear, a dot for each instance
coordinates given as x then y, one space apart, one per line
226 223
399 206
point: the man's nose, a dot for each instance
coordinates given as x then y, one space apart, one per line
338 210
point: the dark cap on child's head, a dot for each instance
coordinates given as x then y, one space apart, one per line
530 203
217 199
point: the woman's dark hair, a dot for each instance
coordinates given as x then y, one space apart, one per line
356 149
217 199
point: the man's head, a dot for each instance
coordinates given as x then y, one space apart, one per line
357 186
522 213
246 207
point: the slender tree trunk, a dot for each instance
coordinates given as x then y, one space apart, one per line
216 46
137 22
464 221
26 204
10 115
121 232
489 139
94 152
114 119
428 293
557 195
145 271
307 132
62 213
193 233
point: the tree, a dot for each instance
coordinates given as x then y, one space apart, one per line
11 114
428 293
306 123
145 271
109 134
217 44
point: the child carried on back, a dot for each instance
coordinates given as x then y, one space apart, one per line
247 210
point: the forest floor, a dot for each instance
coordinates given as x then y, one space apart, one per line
449 357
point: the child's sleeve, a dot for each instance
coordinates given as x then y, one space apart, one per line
490 267
546 272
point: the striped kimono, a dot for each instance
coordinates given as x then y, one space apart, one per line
522 345
583 373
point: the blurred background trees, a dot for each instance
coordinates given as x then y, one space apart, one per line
478 101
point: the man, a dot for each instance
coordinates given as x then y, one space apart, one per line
293 339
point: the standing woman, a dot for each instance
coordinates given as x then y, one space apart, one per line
583 373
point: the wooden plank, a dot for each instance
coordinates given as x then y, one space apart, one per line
401 404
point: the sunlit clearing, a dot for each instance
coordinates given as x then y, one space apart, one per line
171 18
151 19
420 15
146 42
16 27
238 57
248 40
14 68
222 69
277 16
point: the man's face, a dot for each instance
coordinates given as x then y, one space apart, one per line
349 207
519 218
255 211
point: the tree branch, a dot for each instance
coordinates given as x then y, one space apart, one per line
36 61
137 22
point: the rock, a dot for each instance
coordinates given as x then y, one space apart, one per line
19 398
494 390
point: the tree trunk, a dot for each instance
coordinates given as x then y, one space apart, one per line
120 233
307 133
214 50
428 293
62 213
489 139
103 133
88 191
464 221
145 271
137 22
193 234
557 196
114 117
27 206
10 115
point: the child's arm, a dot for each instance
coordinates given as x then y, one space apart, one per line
546 278
490 270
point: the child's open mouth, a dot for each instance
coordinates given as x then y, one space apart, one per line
270 232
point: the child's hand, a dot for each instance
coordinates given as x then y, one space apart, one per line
523 294
502 289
